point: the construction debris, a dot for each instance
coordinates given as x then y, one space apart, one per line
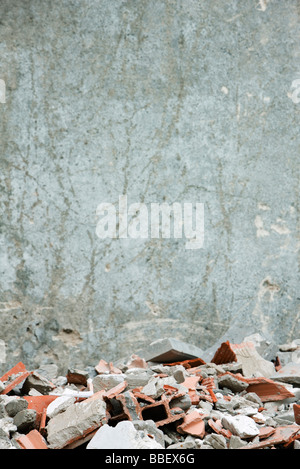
166 397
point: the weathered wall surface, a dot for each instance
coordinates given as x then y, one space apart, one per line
164 101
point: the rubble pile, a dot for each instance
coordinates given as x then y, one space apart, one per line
171 396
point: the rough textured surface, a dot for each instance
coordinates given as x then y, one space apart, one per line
169 101
123 436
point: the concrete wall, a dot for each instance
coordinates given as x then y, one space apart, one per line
163 101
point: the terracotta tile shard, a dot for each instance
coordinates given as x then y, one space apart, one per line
104 367
217 427
194 396
77 377
191 382
14 376
296 408
18 368
205 396
193 424
224 354
266 432
33 440
268 390
143 397
194 362
281 435
170 390
43 420
137 362
39 403
209 383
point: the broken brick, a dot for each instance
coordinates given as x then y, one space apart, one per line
13 377
33 440
160 413
217 427
268 390
296 408
193 424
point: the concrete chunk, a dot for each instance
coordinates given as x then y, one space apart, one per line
60 404
25 420
240 425
169 350
106 382
77 421
123 436
290 373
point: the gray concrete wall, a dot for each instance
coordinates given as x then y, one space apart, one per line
164 101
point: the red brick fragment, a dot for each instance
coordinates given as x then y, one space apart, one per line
191 382
224 354
194 396
193 424
217 427
296 408
192 363
104 367
209 383
161 413
142 397
14 376
268 390
33 440
266 432
39 404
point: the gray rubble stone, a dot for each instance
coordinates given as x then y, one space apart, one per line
14 405
290 373
232 383
49 371
106 382
25 420
6 443
189 442
236 442
155 387
7 427
290 347
216 441
150 427
253 397
136 377
38 382
168 350
265 347
183 402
